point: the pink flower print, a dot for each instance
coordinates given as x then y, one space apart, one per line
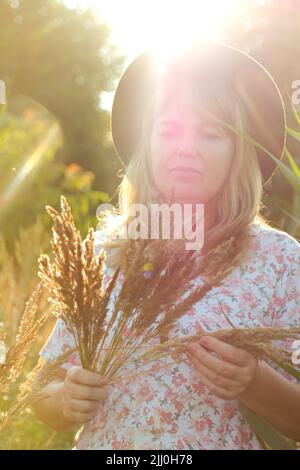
170 393
205 440
107 278
73 359
220 429
156 367
225 291
178 380
150 421
192 312
115 444
222 308
228 411
198 388
234 282
190 439
180 444
209 400
165 417
98 422
174 428
240 314
244 437
279 259
208 422
274 249
124 445
146 411
279 301
250 315
203 423
257 244
249 297
259 279
145 393
123 412
123 386
198 327
178 405
252 269
272 313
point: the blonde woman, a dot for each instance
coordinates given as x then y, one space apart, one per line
167 129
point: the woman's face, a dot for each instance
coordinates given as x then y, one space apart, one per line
190 155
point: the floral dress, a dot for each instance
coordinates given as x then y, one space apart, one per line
169 408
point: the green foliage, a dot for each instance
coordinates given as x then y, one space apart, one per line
63 59
26 431
29 433
32 176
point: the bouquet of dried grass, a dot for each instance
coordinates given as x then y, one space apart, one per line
259 341
108 327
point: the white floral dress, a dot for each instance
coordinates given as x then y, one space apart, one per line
169 408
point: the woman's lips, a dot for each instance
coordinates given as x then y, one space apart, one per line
185 170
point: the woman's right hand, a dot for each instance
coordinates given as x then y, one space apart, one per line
83 394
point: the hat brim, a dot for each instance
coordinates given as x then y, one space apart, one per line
252 81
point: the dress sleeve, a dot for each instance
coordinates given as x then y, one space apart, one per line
285 302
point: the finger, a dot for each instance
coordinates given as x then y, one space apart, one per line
60 372
84 406
86 377
215 389
220 367
82 392
78 417
231 353
214 378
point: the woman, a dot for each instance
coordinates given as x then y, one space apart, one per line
164 119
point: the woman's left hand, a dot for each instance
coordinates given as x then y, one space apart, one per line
229 375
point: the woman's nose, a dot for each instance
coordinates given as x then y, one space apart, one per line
187 145
187 150
186 153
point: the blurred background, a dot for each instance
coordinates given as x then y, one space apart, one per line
60 61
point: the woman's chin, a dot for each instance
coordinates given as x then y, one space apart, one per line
185 198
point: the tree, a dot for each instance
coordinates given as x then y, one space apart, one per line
62 58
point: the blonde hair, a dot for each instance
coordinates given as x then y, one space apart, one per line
237 203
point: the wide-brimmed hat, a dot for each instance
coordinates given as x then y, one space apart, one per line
254 84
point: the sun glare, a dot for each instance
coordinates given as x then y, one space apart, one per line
138 24
162 25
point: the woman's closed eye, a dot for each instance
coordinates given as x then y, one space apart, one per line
211 136
174 133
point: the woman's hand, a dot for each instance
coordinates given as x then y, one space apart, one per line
83 393
229 375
